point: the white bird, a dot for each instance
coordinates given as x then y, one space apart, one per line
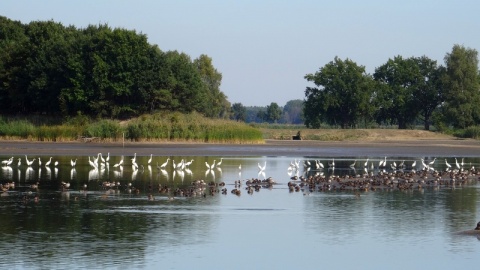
414 164
219 163
48 162
93 164
462 162
210 166
448 165
456 163
73 162
107 159
19 162
101 157
366 163
39 162
188 163
119 163
29 162
134 158
353 164
150 159
56 163
431 162
7 162
262 168
332 164
165 163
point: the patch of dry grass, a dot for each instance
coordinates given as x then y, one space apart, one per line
354 134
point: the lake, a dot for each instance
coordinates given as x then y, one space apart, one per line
141 218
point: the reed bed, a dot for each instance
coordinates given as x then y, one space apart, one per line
146 128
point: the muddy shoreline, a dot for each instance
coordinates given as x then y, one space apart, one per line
405 148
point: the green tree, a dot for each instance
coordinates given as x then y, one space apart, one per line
461 83
273 113
217 104
395 96
293 111
343 89
239 112
429 91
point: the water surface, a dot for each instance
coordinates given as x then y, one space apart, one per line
120 227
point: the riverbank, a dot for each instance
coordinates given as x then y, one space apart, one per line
405 148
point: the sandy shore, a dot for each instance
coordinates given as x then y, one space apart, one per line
404 148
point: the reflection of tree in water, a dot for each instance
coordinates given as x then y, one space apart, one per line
95 231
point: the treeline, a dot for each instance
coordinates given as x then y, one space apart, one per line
49 69
400 92
291 113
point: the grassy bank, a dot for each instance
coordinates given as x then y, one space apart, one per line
152 128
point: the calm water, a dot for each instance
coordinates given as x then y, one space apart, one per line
119 227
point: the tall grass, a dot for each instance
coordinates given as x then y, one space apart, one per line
157 127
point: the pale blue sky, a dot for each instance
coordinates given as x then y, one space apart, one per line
264 48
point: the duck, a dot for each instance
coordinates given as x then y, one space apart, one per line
475 231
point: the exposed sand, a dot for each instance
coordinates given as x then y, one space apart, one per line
405 148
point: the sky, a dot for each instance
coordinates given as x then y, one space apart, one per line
265 48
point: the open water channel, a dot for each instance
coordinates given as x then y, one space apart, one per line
123 217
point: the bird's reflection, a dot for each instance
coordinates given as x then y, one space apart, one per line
118 174
261 174
29 174
93 174
73 173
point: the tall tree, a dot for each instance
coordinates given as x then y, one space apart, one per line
239 112
343 88
429 91
462 87
396 95
216 99
293 111
273 113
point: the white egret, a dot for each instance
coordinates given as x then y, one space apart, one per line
165 163
48 162
262 168
73 162
150 159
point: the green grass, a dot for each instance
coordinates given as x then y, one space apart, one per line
158 127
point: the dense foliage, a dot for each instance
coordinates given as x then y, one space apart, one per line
47 68
400 92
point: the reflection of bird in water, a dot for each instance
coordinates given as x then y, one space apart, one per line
262 168
210 166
